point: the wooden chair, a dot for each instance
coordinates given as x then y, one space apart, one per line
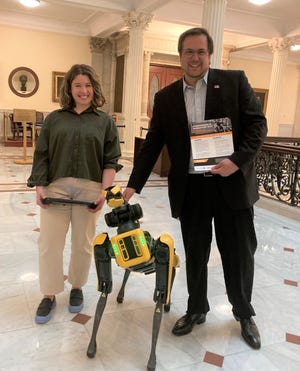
16 128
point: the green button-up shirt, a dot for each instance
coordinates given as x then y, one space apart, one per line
75 145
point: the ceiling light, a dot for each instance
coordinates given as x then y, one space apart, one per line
259 2
30 3
295 48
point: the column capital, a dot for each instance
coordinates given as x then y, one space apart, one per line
280 43
98 44
226 55
137 20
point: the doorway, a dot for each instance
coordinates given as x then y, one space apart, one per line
159 77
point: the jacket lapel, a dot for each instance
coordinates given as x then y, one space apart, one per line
179 104
213 96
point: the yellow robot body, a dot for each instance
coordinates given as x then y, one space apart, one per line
130 248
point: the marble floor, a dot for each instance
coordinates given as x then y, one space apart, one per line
124 336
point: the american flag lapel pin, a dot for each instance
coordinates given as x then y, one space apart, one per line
216 86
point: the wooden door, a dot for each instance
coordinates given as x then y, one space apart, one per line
159 77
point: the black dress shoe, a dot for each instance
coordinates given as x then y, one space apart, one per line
250 332
186 323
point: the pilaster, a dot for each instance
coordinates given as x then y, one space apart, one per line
101 49
145 88
296 128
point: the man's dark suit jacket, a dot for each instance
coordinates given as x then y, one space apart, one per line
228 95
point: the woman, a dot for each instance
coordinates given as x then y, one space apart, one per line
76 157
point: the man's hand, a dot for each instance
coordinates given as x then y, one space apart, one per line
128 193
224 168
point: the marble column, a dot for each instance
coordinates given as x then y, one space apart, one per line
280 48
136 24
213 18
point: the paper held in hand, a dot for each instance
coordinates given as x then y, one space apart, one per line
211 142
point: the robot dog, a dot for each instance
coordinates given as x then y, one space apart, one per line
136 251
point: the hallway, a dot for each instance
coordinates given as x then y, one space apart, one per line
124 336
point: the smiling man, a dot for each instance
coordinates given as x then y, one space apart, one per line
225 194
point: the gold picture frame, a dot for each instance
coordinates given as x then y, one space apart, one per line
262 96
57 79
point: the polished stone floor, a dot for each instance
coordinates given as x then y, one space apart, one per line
124 336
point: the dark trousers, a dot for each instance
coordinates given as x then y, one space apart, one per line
236 241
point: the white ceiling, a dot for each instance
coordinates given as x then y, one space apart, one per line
245 23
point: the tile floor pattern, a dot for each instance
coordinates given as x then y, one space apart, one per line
124 336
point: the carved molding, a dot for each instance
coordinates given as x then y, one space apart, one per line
280 43
157 45
137 20
98 44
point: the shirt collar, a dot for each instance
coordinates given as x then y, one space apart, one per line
90 109
187 86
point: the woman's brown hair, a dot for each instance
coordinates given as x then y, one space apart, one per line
66 98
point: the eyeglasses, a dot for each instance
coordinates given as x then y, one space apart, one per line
189 53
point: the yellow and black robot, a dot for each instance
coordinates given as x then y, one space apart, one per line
136 251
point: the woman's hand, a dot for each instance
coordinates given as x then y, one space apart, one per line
99 202
40 194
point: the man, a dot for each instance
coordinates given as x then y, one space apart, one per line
225 195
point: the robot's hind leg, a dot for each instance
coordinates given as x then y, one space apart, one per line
102 246
165 261
92 347
120 296
167 306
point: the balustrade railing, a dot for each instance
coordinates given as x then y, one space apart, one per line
278 169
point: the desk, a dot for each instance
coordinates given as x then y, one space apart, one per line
162 164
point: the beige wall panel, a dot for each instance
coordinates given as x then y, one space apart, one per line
43 52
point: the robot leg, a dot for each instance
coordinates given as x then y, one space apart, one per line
165 262
102 248
120 296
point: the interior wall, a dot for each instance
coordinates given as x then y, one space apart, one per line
43 52
259 76
258 72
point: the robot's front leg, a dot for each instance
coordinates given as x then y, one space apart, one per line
102 248
165 263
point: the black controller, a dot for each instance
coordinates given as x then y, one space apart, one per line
52 201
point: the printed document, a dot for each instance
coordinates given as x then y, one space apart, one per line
211 142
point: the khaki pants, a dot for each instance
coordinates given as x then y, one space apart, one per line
54 225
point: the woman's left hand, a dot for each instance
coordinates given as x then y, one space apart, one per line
100 200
